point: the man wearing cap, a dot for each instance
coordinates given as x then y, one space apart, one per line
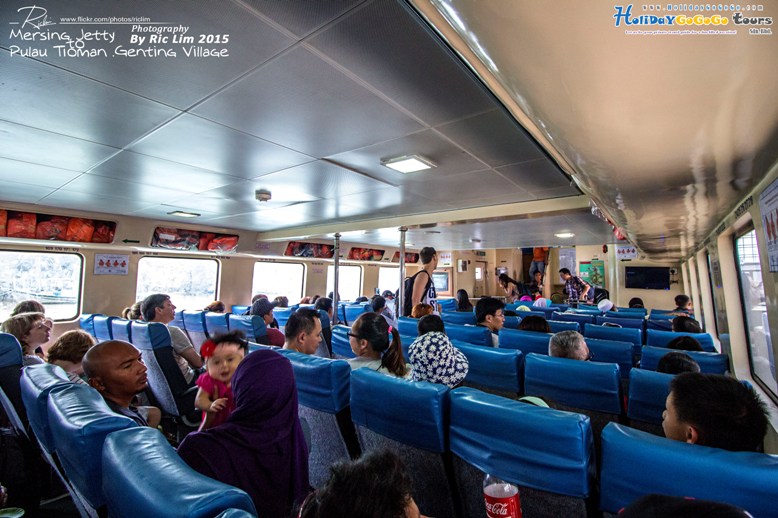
264 308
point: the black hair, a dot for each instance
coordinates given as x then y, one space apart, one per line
324 303
283 302
684 324
376 330
677 362
233 337
148 308
430 323
487 306
361 299
565 271
504 279
426 254
684 343
378 303
725 413
682 300
534 323
463 301
301 321
376 485
635 302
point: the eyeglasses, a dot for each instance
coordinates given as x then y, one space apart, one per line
589 358
352 335
46 324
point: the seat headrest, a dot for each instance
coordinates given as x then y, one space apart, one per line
10 351
340 343
408 326
477 335
554 452
411 412
674 468
37 382
710 363
322 384
86 322
252 325
648 391
144 476
525 341
194 321
657 338
499 369
148 336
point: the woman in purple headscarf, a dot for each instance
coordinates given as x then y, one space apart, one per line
261 448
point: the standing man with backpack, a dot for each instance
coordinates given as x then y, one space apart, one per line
420 288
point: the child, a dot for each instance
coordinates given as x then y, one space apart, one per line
222 355
68 352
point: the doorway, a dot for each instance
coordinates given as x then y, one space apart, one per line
479 289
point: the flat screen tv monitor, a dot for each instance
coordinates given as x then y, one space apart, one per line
647 277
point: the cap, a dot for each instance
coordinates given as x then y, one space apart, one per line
605 305
262 307
387 293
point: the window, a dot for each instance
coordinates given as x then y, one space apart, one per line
752 294
388 279
54 279
191 283
349 280
279 279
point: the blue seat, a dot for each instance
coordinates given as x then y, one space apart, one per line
561 325
253 326
37 382
448 304
500 371
660 324
10 370
121 329
512 322
172 394
513 306
282 315
619 334
657 338
409 418
353 311
103 328
194 322
630 312
239 310
534 313
323 389
675 468
178 321
408 326
581 318
525 341
405 342
340 343
326 332
217 323
548 453
458 318
710 363
648 391
144 476
80 420
632 323
477 335
625 354
86 322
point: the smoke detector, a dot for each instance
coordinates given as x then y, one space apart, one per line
263 195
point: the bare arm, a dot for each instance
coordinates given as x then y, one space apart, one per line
418 288
192 358
202 400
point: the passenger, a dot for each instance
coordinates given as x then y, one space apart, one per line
258 296
577 290
716 411
513 289
541 303
375 485
569 344
217 306
685 324
606 305
684 343
158 308
361 300
28 306
324 303
420 310
132 312
534 323
539 261
379 306
636 302
115 369
683 304
222 354
433 357
463 301
303 331
264 308
423 288
261 448
677 362
489 313
32 330
369 340
281 301
305 300
68 353
315 298
536 286
389 311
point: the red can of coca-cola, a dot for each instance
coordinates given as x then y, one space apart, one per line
502 500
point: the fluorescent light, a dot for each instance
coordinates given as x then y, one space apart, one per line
565 235
408 164
182 214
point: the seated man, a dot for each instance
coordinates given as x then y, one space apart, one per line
303 331
158 308
116 371
569 344
378 303
264 308
490 313
677 362
683 304
716 411
684 324
684 343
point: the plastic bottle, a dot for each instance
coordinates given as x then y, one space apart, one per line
501 498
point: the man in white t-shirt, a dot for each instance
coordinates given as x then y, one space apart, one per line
158 308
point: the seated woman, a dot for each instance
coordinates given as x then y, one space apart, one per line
369 340
434 358
261 448
32 330
677 362
534 323
132 312
635 302
421 309
68 352
463 301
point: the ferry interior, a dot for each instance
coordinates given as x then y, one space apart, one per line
540 126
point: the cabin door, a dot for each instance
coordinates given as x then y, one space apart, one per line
479 289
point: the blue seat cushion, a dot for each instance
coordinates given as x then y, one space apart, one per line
340 342
710 363
10 351
477 335
648 391
322 384
657 338
525 341
499 369
37 382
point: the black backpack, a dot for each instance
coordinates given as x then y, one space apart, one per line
408 292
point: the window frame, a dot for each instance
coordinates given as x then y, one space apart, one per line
303 278
217 287
341 265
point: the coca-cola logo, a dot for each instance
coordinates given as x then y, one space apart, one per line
499 509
